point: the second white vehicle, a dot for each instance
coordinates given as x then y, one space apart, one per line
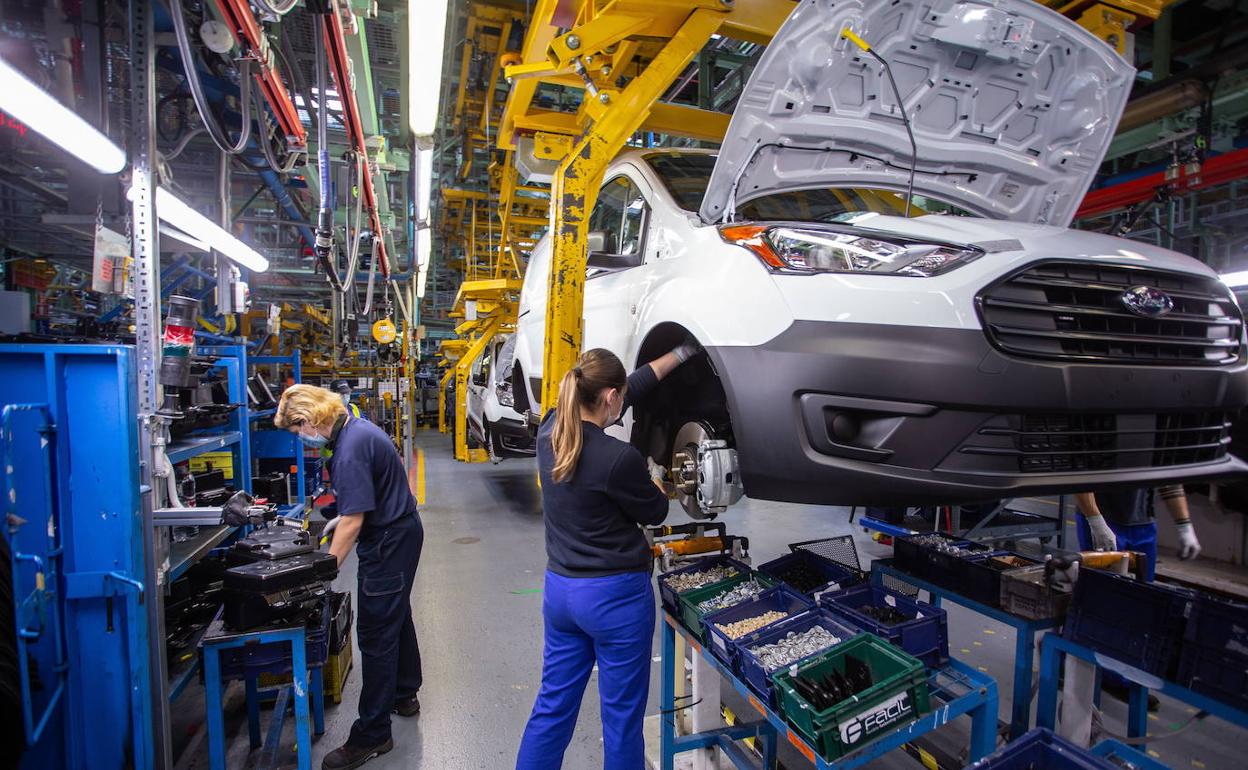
869 347
492 418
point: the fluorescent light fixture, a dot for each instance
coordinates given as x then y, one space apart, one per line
424 248
424 189
426 36
170 231
174 211
42 113
1236 279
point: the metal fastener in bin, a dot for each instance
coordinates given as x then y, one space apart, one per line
918 627
787 635
700 574
777 600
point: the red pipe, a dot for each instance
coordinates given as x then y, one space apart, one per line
251 39
1220 169
340 67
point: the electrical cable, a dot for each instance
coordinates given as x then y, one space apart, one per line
266 141
183 142
287 57
187 54
325 216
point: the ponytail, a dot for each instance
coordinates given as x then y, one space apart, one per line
596 371
566 437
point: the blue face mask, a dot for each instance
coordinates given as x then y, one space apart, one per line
316 440
346 399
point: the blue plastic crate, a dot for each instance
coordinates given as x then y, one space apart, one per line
1040 748
751 669
833 577
780 599
1140 624
925 636
275 657
1214 655
671 600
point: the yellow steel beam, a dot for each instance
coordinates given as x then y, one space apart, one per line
576 183
463 368
542 29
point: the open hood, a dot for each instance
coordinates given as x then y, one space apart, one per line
1012 106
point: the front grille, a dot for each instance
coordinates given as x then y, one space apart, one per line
1071 443
1075 311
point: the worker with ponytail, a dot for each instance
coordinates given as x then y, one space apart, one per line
598 604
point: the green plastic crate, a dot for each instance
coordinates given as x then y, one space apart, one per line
898 696
689 600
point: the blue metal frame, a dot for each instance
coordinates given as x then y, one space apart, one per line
1125 756
280 443
1052 649
103 719
1024 637
213 692
964 691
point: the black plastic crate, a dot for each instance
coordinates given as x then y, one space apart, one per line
1038 749
912 555
810 574
275 657
1027 594
671 599
979 577
1213 660
1138 623
924 634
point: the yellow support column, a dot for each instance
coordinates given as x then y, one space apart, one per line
462 370
575 187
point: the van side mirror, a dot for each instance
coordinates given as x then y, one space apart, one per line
603 260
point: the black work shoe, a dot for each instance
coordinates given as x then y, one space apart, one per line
349 756
407 707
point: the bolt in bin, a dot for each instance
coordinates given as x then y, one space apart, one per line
897 696
779 599
1213 660
1140 624
691 616
1040 748
810 574
670 597
925 634
752 670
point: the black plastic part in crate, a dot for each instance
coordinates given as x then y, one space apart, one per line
669 597
1214 656
1040 748
911 555
811 574
275 657
925 635
1140 624
779 599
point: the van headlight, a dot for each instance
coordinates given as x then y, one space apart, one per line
503 390
809 250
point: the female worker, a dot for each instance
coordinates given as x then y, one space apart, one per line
377 510
598 604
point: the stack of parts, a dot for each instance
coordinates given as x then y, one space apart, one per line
742 627
688 581
277 578
824 692
794 647
733 596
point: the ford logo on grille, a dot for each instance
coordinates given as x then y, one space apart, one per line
1147 301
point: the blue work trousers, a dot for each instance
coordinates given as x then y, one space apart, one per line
1131 537
608 621
389 653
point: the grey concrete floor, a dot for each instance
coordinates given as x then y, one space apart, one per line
477 604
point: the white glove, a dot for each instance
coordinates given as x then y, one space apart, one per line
657 472
1103 538
686 350
1189 546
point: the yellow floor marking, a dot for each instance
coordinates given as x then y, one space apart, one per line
1197 763
420 477
966 651
978 644
1154 754
989 631
1153 717
982 668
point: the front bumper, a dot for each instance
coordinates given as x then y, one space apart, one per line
872 414
512 438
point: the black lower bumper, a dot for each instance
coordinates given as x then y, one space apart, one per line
861 414
512 438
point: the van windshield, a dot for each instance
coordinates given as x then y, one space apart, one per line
686 178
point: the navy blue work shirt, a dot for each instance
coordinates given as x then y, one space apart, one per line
1126 507
592 518
368 476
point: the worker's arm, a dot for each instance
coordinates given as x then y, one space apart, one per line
345 535
643 380
631 486
1175 500
1103 538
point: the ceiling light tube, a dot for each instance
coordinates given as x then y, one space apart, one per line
173 210
1236 279
426 37
43 114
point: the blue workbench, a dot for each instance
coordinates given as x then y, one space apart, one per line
957 690
1024 636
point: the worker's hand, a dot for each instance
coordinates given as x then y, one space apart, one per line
657 472
327 534
1189 546
1103 538
687 349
